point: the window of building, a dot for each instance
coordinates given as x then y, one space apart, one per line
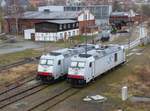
60 27
69 33
64 26
69 26
85 16
61 35
73 25
73 33
77 24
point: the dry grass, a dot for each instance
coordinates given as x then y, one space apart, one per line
12 57
12 74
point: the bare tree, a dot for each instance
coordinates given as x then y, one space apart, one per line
1 19
14 11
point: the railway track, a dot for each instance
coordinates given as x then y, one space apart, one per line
52 101
17 83
20 62
61 92
19 93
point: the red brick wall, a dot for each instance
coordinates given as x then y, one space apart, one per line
22 25
85 24
36 3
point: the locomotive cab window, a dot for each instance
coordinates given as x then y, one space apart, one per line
90 65
59 62
74 64
50 62
43 61
116 57
81 64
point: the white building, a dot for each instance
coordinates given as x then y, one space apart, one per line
53 26
53 30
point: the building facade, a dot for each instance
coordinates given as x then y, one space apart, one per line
99 11
56 30
120 19
29 19
53 30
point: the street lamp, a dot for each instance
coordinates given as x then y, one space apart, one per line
129 29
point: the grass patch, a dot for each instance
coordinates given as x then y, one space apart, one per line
72 41
12 57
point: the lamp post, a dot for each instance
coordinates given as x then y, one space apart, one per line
129 30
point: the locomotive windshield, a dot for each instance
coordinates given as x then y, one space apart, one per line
81 64
78 64
43 61
49 62
74 64
46 62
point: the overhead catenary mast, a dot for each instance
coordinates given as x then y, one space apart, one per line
129 29
85 27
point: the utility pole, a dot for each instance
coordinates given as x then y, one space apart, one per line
129 29
85 28
44 45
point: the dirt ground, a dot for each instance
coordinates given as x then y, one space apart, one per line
135 74
12 74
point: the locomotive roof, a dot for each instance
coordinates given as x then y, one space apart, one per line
59 52
106 50
100 52
72 51
67 51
